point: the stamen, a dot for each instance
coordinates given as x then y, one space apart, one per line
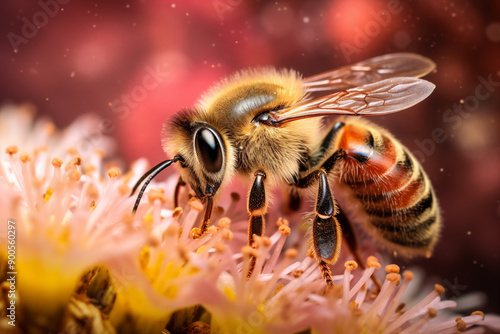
159 195
74 175
77 161
57 163
50 128
124 189
438 290
284 230
177 212
297 273
189 219
399 307
48 194
224 222
390 283
392 268
203 244
431 313
372 264
461 325
227 234
196 204
114 172
360 297
72 151
263 250
353 306
157 198
349 266
393 306
25 158
89 169
307 275
11 150
478 313
220 247
212 230
372 261
290 255
249 254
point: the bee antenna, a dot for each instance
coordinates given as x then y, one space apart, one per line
150 175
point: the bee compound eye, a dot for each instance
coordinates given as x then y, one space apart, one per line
209 150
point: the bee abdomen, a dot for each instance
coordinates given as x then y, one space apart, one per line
415 233
394 191
414 227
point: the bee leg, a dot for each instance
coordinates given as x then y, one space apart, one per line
208 214
198 232
308 180
180 183
352 243
257 208
326 232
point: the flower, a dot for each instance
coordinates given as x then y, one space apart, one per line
66 218
82 262
384 312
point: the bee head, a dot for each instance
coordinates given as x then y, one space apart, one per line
204 152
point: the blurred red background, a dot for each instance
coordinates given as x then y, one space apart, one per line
135 63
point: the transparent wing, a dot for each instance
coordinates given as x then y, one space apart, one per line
371 70
382 97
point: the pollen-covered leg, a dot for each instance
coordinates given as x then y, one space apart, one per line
257 208
326 232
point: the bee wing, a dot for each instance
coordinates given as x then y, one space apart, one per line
382 97
371 70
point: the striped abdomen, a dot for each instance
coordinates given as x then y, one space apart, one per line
393 189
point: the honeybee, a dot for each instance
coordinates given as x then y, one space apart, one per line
264 123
